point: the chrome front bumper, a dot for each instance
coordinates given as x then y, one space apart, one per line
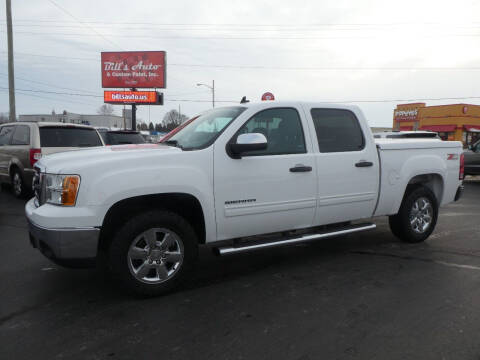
65 243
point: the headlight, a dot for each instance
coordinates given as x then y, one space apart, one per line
61 189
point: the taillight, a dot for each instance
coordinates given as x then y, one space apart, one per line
35 155
461 172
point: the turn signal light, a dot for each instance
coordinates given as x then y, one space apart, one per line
70 189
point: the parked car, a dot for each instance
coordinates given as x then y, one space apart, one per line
472 159
22 144
238 179
120 137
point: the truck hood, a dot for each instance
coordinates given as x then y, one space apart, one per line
72 162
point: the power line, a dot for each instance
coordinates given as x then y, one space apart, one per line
85 24
404 23
436 35
46 84
293 68
56 92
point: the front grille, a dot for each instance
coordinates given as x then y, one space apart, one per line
38 186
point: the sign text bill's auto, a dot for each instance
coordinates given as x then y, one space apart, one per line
134 69
130 97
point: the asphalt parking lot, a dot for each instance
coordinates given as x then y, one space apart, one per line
362 296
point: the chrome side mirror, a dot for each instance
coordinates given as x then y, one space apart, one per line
247 142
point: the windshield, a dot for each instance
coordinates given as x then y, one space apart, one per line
202 131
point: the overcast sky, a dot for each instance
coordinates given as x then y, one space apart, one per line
362 50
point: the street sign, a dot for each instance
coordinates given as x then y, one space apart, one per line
268 96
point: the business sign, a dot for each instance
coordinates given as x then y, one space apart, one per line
407 112
132 97
134 69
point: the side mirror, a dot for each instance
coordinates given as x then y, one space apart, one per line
247 142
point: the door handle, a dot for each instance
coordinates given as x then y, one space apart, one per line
364 163
301 168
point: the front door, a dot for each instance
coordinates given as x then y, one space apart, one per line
266 190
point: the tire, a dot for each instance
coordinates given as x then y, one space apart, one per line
18 184
417 216
153 252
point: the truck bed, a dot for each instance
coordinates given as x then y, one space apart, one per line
401 161
423 143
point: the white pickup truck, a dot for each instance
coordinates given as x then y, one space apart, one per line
237 178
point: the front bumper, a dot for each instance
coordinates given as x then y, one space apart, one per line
65 245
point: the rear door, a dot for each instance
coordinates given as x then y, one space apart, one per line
20 146
55 139
347 166
5 137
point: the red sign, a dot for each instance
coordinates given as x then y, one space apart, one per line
268 96
130 97
134 69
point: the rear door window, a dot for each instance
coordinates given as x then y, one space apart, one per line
5 135
337 130
21 135
51 136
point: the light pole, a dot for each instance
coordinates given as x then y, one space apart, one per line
211 88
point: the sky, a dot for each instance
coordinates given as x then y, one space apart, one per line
374 54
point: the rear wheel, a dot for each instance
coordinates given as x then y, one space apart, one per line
417 216
18 185
152 253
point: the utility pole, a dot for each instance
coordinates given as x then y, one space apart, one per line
134 114
11 80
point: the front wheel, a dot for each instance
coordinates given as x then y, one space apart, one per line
153 252
417 216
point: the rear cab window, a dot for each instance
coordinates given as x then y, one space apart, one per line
337 130
65 136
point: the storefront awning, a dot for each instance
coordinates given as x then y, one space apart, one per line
439 128
472 128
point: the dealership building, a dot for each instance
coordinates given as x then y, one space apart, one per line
460 122
110 121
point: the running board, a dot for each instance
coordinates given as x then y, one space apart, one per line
226 250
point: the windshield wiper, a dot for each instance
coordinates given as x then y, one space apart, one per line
173 143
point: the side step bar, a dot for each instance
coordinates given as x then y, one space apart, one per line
304 238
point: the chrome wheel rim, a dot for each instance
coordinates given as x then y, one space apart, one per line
17 184
421 215
155 255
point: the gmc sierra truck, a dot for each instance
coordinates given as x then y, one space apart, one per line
238 178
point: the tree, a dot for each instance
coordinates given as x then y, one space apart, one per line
151 127
4 118
172 119
105 109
